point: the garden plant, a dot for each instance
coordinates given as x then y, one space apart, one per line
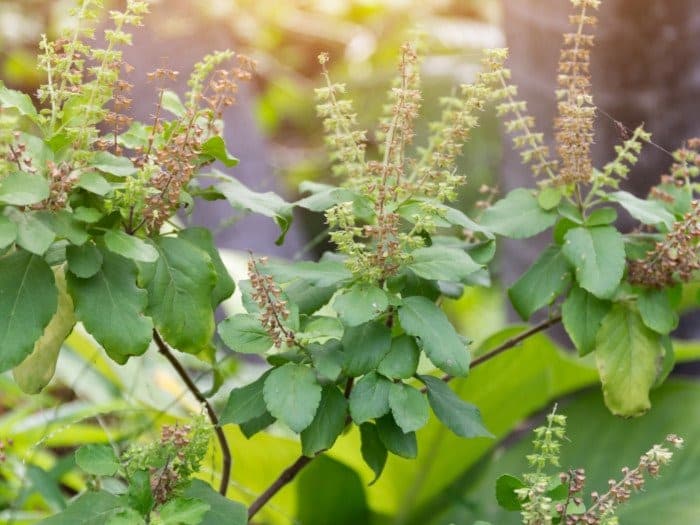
91 234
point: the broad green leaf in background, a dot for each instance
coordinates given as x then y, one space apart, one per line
645 211
140 493
170 101
221 510
8 232
322 274
373 450
598 257
582 313
94 183
442 263
395 440
32 234
328 358
370 398
408 406
402 360
518 216
657 311
542 283
421 318
629 357
179 286
327 424
98 460
91 508
111 307
292 395
243 333
360 303
113 165
35 372
506 485
245 403
10 98
28 301
130 247
22 189
365 346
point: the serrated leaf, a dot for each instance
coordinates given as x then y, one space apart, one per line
360 303
98 460
365 346
328 358
628 355
64 225
328 423
542 283
179 286
32 234
645 211
84 261
292 395
549 197
370 398
243 333
402 360
505 492
214 148
117 166
8 232
111 307
656 311
408 406
395 440
183 511
36 371
130 247
421 318
598 257
23 189
582 314
442 263
245 403
28 301
140 494
373 450
518 216
221 510
10 98
462 418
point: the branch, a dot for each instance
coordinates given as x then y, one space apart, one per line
290 472
223 443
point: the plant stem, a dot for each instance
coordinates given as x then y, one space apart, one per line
290 472
192 387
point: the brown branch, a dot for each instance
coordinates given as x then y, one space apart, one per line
290 472
225 450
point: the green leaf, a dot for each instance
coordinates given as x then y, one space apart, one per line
629 356
98 460
140 494
402 360
130 247
370 398
365 346
23 189
252 427
518 216
64 224
442 263
125 516
292 395
243 333
10 98
221 510
37 370
94 183
542 283
360 303
656 311
8 232
645 211
395 440
180 285
28 301
421 318
32 234
111 307
462 418
215 149
506 485
245 403
91 508
328 358
322 273
182 511
324 197
408 406
204 240
117 166
549 197
327 424
601 217
268 204
598 256
84 261
170 101
307 296
373 451
87 215
582 314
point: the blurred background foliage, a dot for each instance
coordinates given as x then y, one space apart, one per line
452 481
